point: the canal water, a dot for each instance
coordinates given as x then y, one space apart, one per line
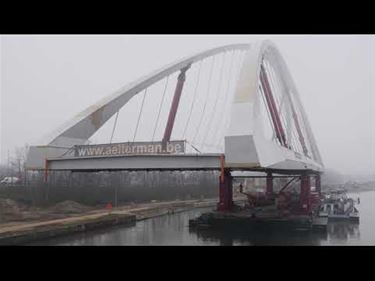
174 230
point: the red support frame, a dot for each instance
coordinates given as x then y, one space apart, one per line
305 197
225 188
174 105
269 184
318 186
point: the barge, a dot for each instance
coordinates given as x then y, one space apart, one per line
338 206
266 217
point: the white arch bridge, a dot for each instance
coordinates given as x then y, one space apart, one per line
233 107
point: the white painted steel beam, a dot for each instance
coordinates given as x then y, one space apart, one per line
138 162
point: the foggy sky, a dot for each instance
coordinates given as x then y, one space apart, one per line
46 80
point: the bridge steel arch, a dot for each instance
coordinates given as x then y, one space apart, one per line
245 144
80 128
245 147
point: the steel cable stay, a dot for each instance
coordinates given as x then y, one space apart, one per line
226 114
283 122
264 79
70 149
205 103
279 83
304 126
303 130
272 81
276 129
196 149
310 137
284 112
140 113
283 103
294 139
288 124
274 87
216 128
275 79
295 129
290 120
277 93
236 78
114 126
213 113
267 110
291 137
264 102
297 147
194 98
160 107
297 144
205 144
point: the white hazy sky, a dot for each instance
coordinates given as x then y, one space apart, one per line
45 80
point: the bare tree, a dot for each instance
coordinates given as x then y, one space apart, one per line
18 161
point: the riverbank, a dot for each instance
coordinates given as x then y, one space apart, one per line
16 233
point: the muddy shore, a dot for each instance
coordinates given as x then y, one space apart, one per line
69 217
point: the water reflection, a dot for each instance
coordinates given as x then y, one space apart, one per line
337 233
343 231
257 237
174 230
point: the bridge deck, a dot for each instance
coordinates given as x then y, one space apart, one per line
138 162
209 161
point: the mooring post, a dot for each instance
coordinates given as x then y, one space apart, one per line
305 194
269 184
225 188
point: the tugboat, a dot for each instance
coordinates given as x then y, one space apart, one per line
336 205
